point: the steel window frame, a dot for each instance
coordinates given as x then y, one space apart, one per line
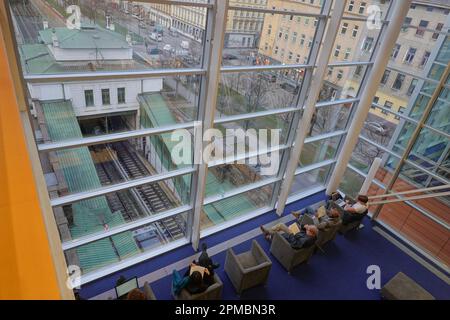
78 242
322 59
408 202
212 8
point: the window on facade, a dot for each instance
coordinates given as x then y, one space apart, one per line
362 7
347 53
351 5
412 87
395 51
106 100
385 77
406 24
355 31
425 58
401 110
387 105
375 102
358 71
439 27
344 28
121 95
337 51
340 74
398 83
89 98
302 40
421 29
409 57
367 45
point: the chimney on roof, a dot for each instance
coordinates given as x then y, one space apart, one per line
55 39
45 23
112 27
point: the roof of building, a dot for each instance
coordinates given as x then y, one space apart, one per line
88 37
37 59
79 171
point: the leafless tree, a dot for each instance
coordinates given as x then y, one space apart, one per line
366 152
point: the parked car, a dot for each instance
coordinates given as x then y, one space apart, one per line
184 45
156 37
228 56
290 87
167 47
375 127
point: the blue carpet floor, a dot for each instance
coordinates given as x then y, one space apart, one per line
339 273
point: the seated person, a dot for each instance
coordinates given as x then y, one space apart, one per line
199 279
304 238
136 294
356 211
323 219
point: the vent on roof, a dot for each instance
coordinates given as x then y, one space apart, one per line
96 36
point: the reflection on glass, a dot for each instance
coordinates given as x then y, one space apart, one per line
247 92
94 215
254 38
104 252
308 180
315 152
351 183
234 207
108 36
341 83
330 118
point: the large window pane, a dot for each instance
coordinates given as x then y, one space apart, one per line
247 92
236 206
319 151
328 119
94 215
108 36
341 83
311 179
107 251
88 168
254 38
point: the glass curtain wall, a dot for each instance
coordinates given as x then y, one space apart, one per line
114 87
408 129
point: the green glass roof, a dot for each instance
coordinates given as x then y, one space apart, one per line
88 37
80 174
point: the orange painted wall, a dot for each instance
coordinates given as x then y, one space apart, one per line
26 265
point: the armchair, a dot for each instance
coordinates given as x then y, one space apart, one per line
248 269
214 292
288 256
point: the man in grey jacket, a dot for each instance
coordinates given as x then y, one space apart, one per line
323 221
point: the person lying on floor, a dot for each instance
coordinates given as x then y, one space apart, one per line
356 211
298 238
323 219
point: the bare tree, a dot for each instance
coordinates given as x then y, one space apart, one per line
366 152
255 95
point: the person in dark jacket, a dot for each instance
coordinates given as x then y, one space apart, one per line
304 238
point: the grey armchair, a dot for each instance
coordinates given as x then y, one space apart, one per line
214 292
248 269
325 235
288 256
